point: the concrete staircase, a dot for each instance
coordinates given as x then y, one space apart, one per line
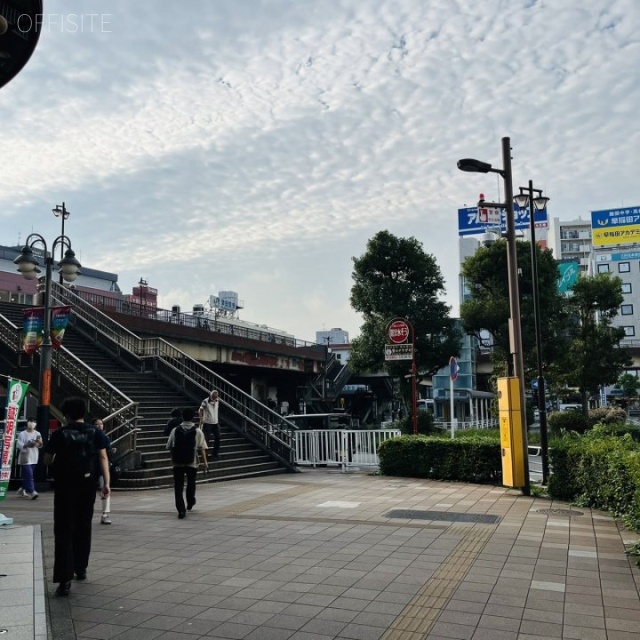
239 457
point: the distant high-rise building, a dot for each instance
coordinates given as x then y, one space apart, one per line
332 337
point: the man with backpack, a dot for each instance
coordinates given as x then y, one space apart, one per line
78 456
184 443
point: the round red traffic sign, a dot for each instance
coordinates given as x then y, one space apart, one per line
398 331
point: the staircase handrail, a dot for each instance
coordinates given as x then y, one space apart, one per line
275 431
91 384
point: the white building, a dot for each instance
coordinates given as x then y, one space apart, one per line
332 337
570 241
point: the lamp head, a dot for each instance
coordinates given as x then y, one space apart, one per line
471 165
540 202
69 266
522 200
27 263
61 211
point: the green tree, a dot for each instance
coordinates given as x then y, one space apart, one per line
396 278
594 356
629 385
486 304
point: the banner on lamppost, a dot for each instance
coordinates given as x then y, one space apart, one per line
32 328
16 393
59 321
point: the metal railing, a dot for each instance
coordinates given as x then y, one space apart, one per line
341 447
198 321
123 412
463 425
259 423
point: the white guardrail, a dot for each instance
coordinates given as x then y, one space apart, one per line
341 447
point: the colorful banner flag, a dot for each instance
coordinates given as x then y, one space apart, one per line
32 329
16 393
59 321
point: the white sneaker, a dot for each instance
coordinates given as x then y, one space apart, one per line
20 492
30 496
105 519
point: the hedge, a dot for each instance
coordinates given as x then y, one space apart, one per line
470 457
598 470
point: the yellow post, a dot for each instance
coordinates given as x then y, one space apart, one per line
511 421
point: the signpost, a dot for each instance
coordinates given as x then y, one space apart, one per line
453 376
398 347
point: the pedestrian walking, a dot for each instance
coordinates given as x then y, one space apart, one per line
185 442
29 441
77 455
105 518
174 421
208 413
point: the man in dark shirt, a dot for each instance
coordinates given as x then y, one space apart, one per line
77 452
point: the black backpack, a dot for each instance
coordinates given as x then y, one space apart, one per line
183 451
77 459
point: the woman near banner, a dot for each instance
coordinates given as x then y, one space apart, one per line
29 441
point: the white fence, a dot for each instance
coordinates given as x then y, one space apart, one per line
488 423
340 447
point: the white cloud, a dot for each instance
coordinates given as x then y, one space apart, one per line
256 146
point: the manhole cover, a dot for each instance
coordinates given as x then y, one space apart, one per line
450 516
559 512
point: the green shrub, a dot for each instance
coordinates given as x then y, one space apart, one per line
607 415
598 470
470 457
568 421
425 424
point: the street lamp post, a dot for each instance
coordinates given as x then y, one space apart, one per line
29 267
60 211
524 199
515 328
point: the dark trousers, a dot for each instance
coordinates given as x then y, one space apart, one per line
72 515
212 434
179 474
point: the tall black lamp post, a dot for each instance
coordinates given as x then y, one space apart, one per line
29 267
60 211
523 200
515 332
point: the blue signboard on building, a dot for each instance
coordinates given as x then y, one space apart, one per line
469 223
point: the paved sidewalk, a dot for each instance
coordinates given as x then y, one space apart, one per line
323 555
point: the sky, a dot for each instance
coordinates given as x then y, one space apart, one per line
256 145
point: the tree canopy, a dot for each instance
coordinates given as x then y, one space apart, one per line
486 301
396 278
594 356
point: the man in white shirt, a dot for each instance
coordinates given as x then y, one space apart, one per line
208 413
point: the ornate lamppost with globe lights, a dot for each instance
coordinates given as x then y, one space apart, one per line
538 203
29 267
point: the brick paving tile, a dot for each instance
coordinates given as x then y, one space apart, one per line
231 631
361 632
546 629
494 634
583 633
266 633
452 630
499 622
138 633
286 622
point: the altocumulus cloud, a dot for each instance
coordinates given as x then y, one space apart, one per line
256 146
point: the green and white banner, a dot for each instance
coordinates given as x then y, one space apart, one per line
16 392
